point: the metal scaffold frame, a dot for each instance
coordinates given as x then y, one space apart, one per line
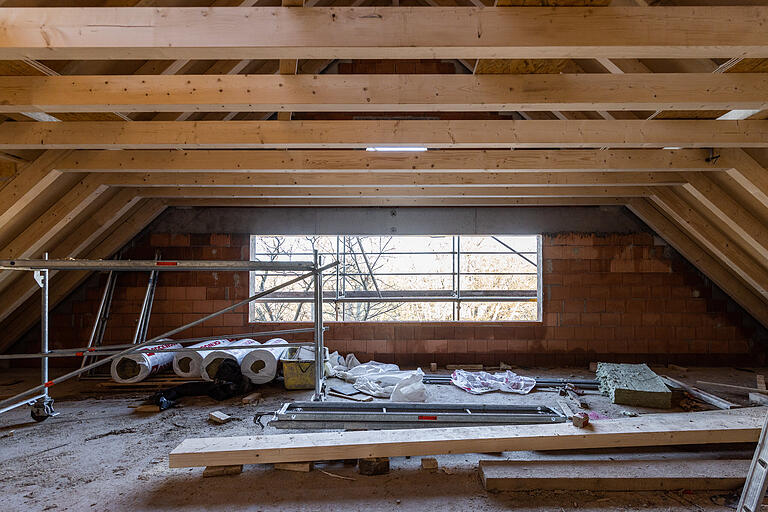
38 396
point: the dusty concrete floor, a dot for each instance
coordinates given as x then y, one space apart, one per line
99 455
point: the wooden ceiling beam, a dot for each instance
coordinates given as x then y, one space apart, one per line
696 223
86 230
383 32
567 160
122 231
363 134
471 181
386 93
712 267
373 192
747 172
305 202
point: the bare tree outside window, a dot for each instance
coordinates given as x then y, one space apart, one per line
416 278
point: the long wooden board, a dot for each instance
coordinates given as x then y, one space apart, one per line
613 475
485 134
732 426
144 33
383 93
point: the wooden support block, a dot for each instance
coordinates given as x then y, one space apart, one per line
147 408
210 471
301 467
580 419
758 398
373 466
433 367
760 382
592 367
613 475
219 417
252 398
429 463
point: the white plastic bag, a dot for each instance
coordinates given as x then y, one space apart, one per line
381 379
410 389
478 383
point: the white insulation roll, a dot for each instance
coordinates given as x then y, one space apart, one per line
260 364
144 362
188 364
214 358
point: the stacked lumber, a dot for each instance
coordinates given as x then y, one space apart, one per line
725 426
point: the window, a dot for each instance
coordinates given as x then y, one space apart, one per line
404 278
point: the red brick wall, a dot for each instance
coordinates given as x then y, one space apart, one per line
606 297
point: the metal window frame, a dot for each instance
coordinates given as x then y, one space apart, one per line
457 296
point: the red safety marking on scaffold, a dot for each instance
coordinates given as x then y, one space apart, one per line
166 263
48 384
78 354
432 418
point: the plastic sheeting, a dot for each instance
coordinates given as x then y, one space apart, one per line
478 383
141 364
387 381
213 359
189 364
260 364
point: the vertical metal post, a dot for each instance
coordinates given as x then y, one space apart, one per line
539 280
44 324
319 348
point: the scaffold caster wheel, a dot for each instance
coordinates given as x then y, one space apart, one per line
42 409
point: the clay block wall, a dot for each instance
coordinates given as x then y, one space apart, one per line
608 297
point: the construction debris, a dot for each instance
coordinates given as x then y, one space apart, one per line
580 419
720 403
613 475
252 398
633 384
146 408
758 398
731 387
372 466
219 417
222 470
360 398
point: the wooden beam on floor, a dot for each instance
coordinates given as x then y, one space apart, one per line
382 32
473 183
364 134
713 268
356 160
385 93
740 425
121 232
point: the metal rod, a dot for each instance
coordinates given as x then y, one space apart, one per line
368 265
404 299
99 314
110 348
27 401
514 251
44 327
162 265
183 349
96 364
318 311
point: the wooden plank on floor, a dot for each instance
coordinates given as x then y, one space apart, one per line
613 475
730 426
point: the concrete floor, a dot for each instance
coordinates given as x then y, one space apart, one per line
99 455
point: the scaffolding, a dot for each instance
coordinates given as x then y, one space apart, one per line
38 397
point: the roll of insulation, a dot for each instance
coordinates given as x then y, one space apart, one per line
260 364
213 360
188 364
141 364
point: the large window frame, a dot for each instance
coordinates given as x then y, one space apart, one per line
351 247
